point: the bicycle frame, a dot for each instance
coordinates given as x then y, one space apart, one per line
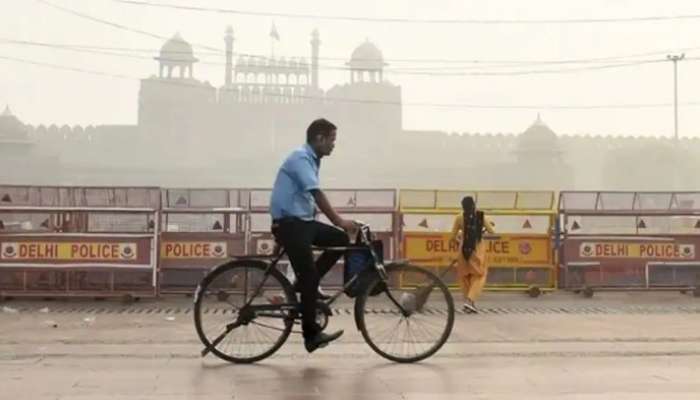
249 311
365 244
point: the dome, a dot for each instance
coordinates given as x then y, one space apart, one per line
367 56
11 127
177 50
538 138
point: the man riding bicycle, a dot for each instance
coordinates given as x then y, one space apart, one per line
295 195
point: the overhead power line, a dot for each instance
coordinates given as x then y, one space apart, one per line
65 68
113 24
434 72
185 83
216 50
470 63
451 21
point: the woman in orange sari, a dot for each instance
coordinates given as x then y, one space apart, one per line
467 230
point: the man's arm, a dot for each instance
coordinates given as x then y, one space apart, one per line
327 209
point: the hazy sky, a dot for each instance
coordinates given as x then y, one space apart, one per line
39 94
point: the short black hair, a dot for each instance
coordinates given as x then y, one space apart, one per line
320 126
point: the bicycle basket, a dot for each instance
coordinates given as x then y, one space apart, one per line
359 262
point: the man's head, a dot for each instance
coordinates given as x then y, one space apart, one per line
468 204
320 135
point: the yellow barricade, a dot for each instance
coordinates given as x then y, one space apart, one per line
519 256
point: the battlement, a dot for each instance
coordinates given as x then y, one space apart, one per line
77 133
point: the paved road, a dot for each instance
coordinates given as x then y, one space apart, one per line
615 346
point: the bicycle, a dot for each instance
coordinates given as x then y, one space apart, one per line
255 307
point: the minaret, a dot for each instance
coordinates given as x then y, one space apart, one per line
229 55
315 44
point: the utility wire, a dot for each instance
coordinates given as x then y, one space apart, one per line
450 21
326 99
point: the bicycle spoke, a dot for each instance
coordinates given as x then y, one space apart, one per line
390 332
428 324
259 334
420 328
419 331
267 326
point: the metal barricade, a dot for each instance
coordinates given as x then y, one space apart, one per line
375 207
519 256
629 240
60 241
200 229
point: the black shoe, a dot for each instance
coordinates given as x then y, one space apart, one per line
321 295
321 340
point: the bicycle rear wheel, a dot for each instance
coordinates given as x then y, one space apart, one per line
411 319
230 330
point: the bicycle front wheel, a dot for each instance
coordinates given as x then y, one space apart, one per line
231 330
409 317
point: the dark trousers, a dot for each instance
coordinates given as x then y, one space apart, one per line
297 237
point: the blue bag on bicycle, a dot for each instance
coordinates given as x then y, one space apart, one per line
360 262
